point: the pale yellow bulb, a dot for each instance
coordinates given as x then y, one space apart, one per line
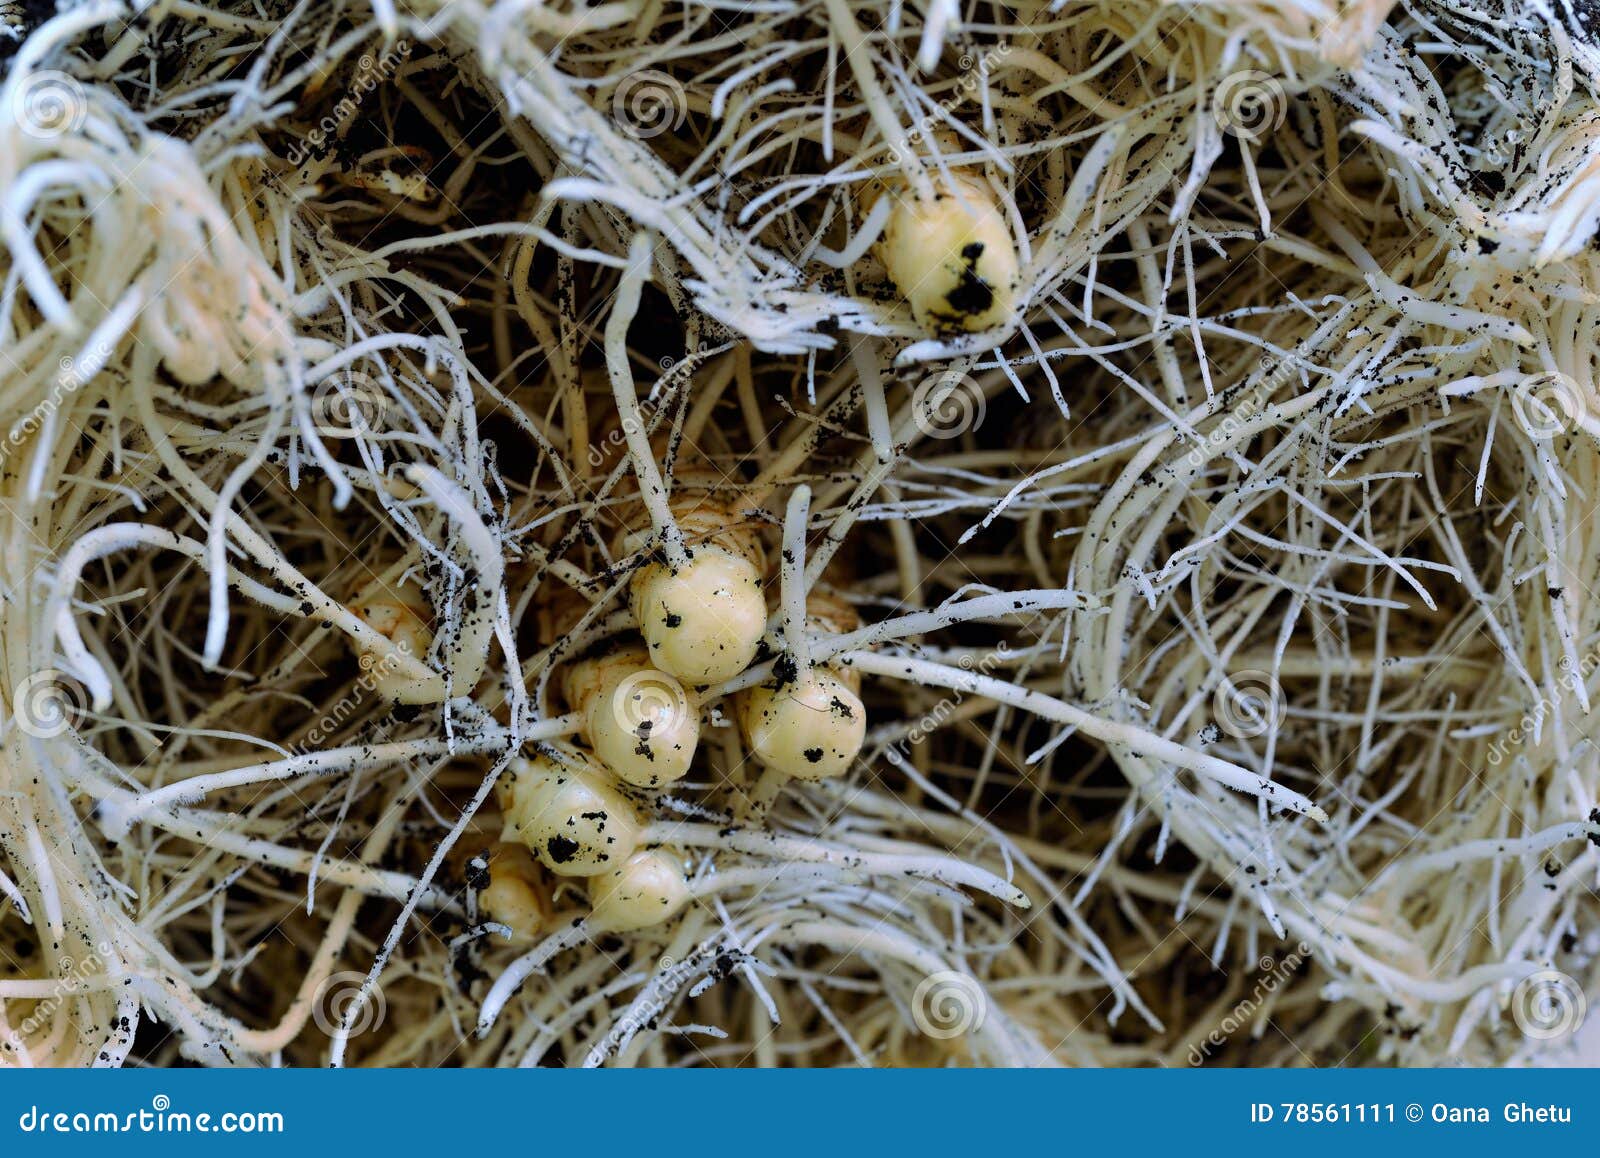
569 813
703 622
952 258
517 895
401 615
645 891
638 720
810 728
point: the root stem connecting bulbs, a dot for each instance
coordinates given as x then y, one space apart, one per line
363 427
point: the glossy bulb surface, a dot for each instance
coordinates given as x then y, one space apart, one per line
639 720
809 729
952 258
648 889
704 622
569 813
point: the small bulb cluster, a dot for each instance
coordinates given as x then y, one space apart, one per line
953 258
807 724
578 807
567 809
702 620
